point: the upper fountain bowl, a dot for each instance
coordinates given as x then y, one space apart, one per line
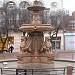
37 6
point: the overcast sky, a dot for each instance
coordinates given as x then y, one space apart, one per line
69 4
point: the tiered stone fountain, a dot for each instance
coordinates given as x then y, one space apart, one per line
33 47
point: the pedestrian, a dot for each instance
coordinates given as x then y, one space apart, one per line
10 49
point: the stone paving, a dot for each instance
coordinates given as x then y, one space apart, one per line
63 56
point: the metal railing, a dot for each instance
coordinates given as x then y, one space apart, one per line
46 71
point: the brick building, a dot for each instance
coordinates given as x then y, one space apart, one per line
69 32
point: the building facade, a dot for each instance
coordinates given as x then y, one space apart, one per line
69 33
53 4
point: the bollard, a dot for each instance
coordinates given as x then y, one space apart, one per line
69 70
1 71
32 71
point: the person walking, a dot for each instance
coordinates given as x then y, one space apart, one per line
10 49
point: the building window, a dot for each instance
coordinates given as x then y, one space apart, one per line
72 25
56 43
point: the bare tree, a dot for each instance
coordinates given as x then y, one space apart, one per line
8 21
24 14
57 21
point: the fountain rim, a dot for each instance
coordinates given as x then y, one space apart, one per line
31 27
36 8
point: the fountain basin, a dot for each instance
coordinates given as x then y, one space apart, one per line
31 27
36 58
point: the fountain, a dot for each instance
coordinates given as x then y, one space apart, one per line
33 47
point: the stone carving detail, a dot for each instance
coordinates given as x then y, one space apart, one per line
25 45
36 19
46 46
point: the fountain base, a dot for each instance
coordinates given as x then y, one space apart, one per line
30 58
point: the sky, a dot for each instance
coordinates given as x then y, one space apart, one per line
69 5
